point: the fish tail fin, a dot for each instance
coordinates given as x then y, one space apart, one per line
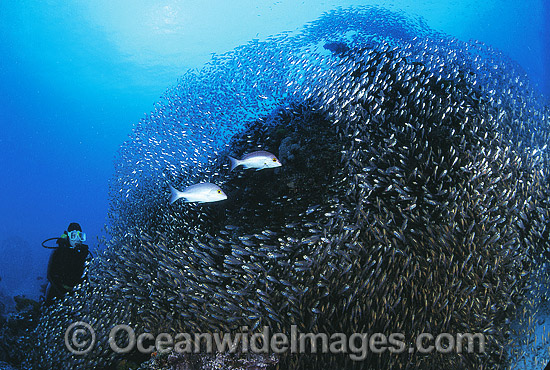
233 163
175 194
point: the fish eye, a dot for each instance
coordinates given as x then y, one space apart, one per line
219 191
274 159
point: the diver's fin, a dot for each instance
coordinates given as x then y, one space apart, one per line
233 163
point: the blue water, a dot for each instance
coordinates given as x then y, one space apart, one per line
75 76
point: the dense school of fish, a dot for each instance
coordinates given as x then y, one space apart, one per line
412 197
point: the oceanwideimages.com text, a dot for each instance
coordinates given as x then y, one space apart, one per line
80 338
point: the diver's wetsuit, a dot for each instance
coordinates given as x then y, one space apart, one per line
65 268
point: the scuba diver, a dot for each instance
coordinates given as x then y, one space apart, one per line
66 265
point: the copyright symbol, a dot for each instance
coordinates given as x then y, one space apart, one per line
79 338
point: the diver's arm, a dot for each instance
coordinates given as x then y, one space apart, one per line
54 278
49 274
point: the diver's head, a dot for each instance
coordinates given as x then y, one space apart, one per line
75 234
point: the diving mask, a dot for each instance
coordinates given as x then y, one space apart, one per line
76 236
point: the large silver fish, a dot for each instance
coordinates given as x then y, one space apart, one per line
199 193
257 160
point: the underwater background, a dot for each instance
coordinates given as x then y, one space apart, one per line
77 77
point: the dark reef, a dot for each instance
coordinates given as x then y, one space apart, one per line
413 198
15 331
